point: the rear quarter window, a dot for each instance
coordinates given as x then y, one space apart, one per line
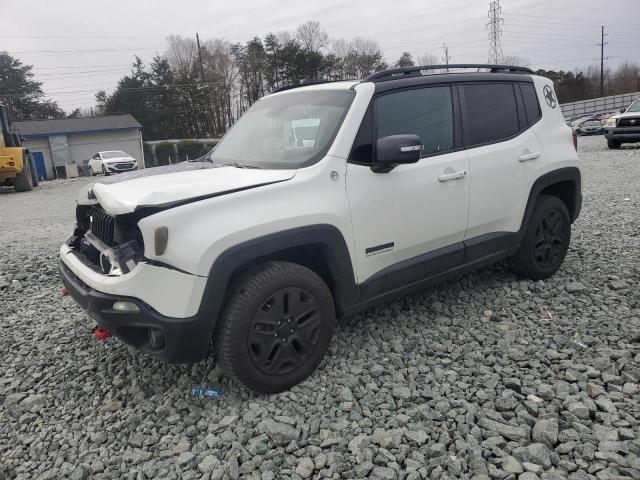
531 105
492 113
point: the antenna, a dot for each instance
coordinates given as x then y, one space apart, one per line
494 26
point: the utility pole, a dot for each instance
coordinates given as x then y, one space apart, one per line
446 57
602 44
495 32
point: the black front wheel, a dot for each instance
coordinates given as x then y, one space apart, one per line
546 240
276 326
613 144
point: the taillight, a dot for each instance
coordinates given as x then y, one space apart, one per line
575 141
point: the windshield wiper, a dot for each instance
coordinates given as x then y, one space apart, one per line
237 165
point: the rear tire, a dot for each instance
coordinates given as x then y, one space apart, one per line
546 240
613 144
24 181
276 326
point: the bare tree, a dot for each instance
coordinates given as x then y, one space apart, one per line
515 61
428 59
220 73
181 55
311 36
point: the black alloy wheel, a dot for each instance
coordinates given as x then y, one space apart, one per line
276 326
550 239
284 331
546 240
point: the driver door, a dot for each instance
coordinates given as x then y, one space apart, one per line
409 223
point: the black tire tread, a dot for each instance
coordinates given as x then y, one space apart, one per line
522 263
23 181
613 144
242 292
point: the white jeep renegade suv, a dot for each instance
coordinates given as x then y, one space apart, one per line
323 200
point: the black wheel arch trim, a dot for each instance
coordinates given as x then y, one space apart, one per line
328 240
571 174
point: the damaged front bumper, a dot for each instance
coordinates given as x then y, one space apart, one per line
168 304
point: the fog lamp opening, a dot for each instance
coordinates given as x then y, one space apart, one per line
125 306
156 338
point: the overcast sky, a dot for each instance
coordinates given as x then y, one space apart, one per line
78 47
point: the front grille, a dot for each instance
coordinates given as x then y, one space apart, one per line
629 122
102 225
123 165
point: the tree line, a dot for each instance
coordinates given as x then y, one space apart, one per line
191 92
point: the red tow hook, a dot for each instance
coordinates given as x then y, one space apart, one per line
102 333
65 291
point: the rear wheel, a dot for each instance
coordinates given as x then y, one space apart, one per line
276 326
613 144
546 240
24 181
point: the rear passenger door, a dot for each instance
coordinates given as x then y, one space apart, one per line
404 220
505 155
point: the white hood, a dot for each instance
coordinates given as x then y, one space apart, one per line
162 186
625 115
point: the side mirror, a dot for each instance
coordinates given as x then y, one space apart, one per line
622 110
395 150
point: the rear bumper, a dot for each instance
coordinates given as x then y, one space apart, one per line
183 339
623 134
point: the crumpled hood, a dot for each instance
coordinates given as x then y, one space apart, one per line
174 184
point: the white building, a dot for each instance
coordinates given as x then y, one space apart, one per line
57 143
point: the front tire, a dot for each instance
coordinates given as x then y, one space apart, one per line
276 326
546 240
613 144
104 171
24 181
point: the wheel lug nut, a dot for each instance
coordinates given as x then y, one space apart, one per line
284 339
292 330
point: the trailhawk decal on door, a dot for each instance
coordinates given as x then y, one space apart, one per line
378 249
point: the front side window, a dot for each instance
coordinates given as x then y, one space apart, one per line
426 112
291 130
492 114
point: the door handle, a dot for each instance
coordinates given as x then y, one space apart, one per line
446 177
525 157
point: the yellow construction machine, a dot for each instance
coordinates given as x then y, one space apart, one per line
16 163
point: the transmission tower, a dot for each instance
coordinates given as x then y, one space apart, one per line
494 26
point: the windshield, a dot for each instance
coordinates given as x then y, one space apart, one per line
114 154
634 107
292 130
592 123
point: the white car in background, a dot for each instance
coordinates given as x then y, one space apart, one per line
112 161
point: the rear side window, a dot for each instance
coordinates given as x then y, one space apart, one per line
531 105
426 112
492 113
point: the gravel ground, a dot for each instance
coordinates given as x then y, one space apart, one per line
485 377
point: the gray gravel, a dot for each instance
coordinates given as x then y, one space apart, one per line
485 377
